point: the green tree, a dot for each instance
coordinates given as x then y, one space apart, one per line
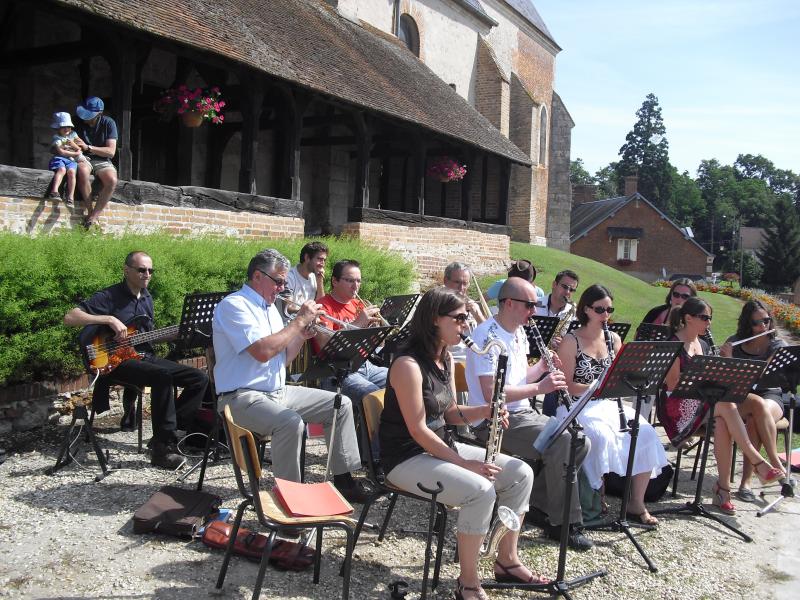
606 181
780 252
578 174
685 205
645 153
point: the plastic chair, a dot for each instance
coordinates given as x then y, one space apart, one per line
270 512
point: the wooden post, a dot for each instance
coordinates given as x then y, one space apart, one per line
420 151
288 158
484 185
505 182
466 188
252 102
364 148
124 64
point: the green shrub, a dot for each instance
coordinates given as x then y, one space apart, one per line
42 278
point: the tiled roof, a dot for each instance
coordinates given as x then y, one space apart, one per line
528 10
310 44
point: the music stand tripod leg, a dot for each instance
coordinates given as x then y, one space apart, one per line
787 487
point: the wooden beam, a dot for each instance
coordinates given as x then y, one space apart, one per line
251 113
505 182
46 55
466 188
417 204
364 146
124 74
386 174
484 185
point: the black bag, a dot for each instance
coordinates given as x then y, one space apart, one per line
656 487
175 511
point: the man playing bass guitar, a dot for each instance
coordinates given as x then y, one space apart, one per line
113 310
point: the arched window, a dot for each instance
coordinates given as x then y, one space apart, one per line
408 33
543 136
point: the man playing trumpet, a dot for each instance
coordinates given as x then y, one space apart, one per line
457 277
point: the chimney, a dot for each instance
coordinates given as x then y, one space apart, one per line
631 184
583 193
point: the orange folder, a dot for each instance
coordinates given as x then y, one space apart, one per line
311 499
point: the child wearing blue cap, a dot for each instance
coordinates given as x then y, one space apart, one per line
66 156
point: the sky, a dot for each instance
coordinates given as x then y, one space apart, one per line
726 74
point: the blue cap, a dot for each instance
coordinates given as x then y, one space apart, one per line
90 108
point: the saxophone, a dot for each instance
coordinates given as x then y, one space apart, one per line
505 521
498 396
563 325
563 395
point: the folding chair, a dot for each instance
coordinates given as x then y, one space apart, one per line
270 512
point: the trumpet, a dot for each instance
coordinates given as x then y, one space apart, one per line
285 296
366 304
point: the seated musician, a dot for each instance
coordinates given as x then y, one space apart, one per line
252 347
417 448
457 277
586 353
680 291
683 416
343 304
516 305
519 268
129 303
764 407
306 278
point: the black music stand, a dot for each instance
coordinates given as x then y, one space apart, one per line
714 379
393 342
560 586
786 359
621 329
344 353
396 309
195 331
650 332
547 327
639 367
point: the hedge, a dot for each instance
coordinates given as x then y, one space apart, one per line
41 278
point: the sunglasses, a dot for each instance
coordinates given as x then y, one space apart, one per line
460 317
705 318
680 295
143 270
567 288
764 321
602 309
277 282
529 304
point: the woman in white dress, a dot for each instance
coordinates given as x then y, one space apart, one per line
585 354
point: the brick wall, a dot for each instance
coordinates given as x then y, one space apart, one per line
431 249
559 201
661 245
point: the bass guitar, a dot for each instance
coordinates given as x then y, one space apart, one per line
103 353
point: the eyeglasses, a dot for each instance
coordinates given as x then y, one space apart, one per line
529 304
602 309
680 295
143 270
567 288
277 282
460 317
705 318
764 321
350 280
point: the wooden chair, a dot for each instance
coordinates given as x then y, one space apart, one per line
437 519
270 513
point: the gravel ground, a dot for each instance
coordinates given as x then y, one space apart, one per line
78 542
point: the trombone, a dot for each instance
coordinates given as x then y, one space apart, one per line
285 296
481 300
366 304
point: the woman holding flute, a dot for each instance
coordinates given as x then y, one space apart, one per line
756 339
683 416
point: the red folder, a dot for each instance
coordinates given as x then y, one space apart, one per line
311 499
795 458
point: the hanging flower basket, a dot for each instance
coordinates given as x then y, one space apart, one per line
193 105
445 169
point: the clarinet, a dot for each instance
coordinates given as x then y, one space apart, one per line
623 423
498 395
712 350
563 395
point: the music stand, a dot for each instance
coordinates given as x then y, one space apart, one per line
195 331
396 309
639 367
344 353
393 342
650 332
547 327
788 359
714 379
560 586
621 329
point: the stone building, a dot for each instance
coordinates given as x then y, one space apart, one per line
335 113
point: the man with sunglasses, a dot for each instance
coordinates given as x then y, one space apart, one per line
252 348
517 303
130 303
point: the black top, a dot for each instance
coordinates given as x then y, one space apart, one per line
98 134
118 301
397 445
653 313
775 380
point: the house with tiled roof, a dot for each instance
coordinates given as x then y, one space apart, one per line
335 113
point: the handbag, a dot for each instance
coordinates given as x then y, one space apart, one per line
175 511
285 555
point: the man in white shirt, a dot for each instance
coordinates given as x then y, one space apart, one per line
516 302
305 280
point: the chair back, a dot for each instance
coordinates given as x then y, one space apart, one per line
211 361
298 366
372 407
460 377
245 456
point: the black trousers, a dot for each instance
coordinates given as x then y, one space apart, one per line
161 376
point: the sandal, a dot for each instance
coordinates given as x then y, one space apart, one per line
508 577
720 501
745 495
773 474
458 593
643 518
69 201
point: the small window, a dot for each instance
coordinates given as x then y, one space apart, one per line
408 33
626 249
543 137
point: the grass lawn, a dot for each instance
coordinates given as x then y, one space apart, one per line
632 297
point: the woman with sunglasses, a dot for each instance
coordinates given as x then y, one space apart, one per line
585 357
680 291
763 408
416 447
683 416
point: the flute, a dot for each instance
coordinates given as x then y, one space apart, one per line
752 337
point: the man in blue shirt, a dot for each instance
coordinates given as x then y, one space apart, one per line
97 138
252 347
